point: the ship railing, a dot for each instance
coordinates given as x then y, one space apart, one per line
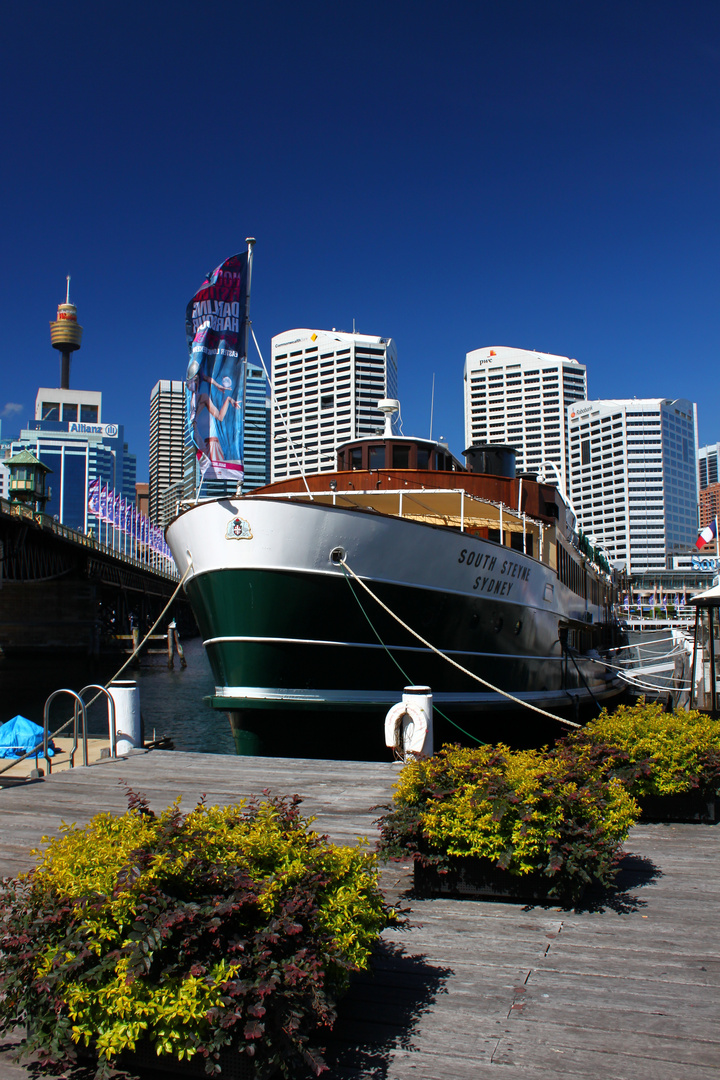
418 505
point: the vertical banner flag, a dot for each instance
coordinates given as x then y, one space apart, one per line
94 497
214 384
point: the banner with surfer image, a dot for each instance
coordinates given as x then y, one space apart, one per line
214 382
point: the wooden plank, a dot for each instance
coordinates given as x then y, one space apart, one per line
608 1062
622 989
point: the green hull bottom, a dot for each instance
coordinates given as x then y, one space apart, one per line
338 662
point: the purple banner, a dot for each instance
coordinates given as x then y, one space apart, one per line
94 497
214 394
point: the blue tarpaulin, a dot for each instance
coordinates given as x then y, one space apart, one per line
20 735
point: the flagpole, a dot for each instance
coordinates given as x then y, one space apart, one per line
250 241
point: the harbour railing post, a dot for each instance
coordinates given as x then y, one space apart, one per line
111 714
79 711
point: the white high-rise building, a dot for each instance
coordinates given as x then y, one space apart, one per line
167 439
708 457
326 387
633 477
519 397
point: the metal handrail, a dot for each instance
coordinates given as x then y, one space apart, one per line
45 521
111 713
46 726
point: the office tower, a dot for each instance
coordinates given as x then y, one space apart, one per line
167 440
256 431
326 385
519 397
4 471
633 477
708 465
69 436
709 505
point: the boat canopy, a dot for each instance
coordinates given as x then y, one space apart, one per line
710 598
433 506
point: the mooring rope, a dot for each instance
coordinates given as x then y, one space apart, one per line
444 656
624 672
408 679
640 644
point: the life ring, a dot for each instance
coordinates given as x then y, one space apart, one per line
405 729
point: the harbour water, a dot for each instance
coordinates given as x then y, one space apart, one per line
171 702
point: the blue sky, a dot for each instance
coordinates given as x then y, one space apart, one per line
453 175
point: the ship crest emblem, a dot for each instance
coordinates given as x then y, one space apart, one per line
238 529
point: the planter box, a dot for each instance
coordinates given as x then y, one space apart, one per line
479 878
687 806
234 1066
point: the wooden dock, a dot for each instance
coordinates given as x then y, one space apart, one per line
624 988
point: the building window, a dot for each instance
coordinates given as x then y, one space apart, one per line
50 410
89 414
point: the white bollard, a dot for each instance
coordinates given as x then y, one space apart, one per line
128 724
421 697
409 724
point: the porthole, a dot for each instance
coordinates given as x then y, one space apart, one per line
518 627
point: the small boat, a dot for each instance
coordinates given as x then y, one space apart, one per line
319 598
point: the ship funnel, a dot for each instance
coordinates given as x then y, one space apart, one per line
495 459
389 406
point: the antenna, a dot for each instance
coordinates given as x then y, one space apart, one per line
388 406
432 404
67 294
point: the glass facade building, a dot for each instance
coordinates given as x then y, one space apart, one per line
633 477
69 436
708 465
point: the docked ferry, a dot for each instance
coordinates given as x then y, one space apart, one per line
320 598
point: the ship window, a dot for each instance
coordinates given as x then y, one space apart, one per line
356 457
423 458
377 457
401 457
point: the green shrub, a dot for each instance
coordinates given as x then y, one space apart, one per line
670 753
226 926
525 811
